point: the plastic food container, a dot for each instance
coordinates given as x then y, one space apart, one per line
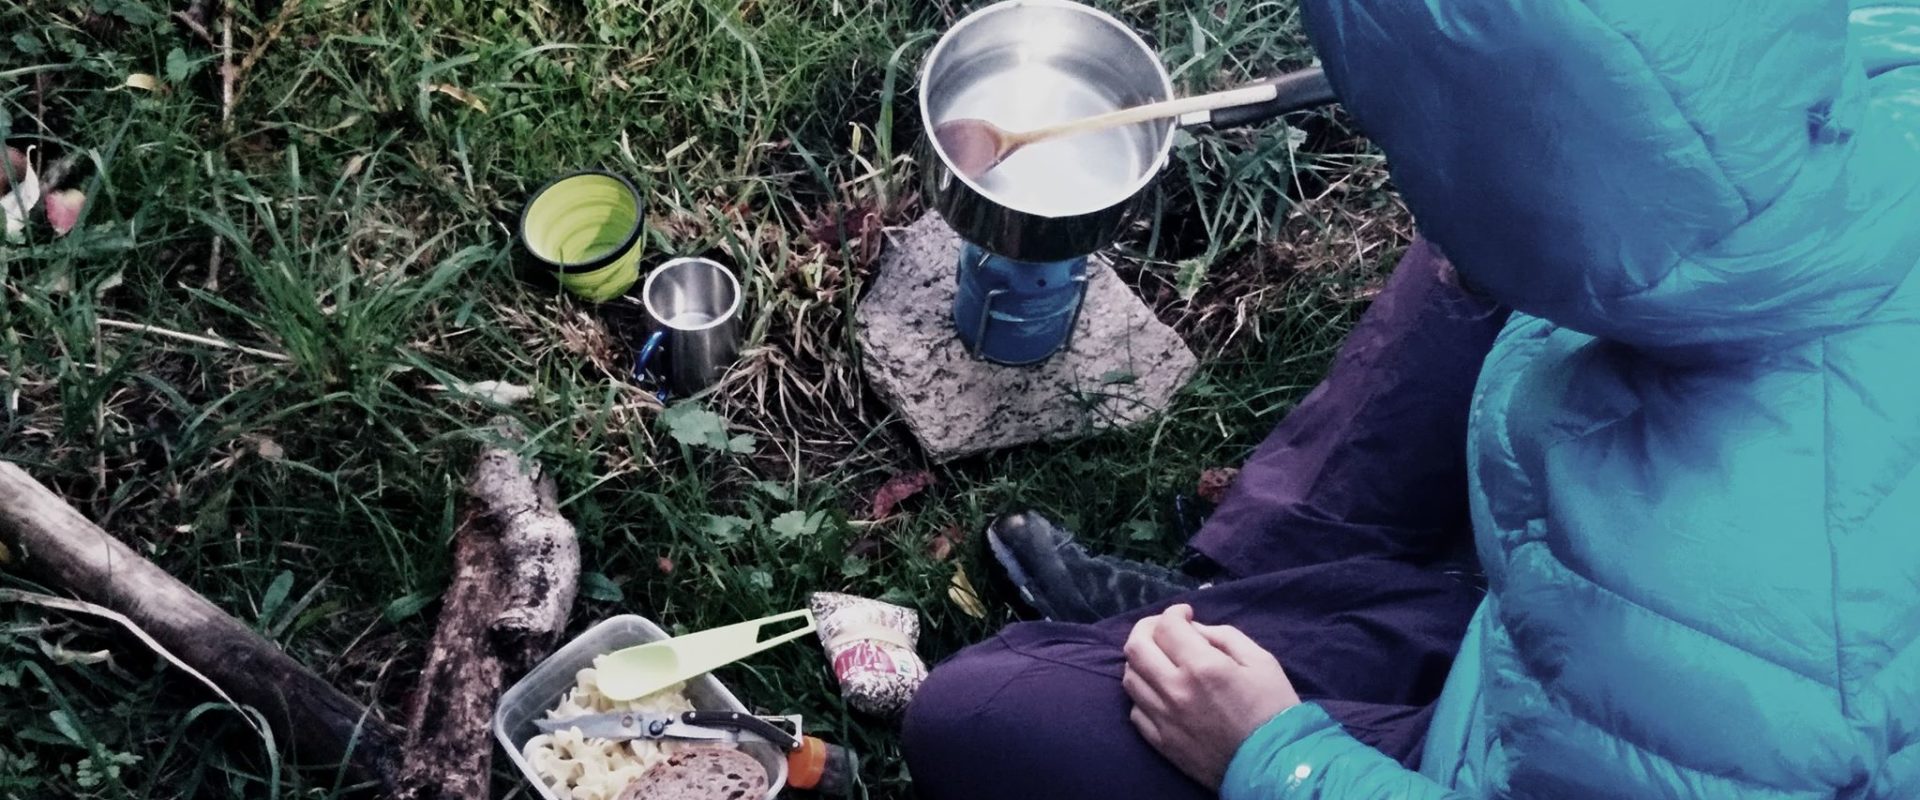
541 690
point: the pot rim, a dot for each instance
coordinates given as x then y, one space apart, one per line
1134 189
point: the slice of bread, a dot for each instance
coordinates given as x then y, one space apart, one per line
701 773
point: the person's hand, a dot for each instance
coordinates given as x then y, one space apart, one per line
1200 690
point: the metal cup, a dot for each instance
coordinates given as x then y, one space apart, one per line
693 315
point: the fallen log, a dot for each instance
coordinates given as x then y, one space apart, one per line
44 535
515 573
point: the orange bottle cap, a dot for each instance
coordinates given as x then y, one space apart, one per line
808 764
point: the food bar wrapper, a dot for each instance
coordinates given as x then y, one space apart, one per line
871 645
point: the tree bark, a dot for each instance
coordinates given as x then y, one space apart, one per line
43 534
516 571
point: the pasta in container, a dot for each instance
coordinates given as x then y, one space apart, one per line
564 685
577 767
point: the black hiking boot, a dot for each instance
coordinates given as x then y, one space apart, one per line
1065 583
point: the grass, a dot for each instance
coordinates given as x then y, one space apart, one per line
351 213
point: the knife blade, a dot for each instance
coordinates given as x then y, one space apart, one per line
725 726
634 725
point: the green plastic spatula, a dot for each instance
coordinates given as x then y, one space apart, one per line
644 669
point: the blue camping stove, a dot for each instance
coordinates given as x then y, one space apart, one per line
1016 312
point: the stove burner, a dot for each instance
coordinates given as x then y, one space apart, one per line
1017 312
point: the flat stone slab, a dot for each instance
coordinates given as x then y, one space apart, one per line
1122 366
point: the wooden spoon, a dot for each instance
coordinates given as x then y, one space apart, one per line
976 146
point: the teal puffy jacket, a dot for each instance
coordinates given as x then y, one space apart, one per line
1693 450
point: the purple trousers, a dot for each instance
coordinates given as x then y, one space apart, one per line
1343 547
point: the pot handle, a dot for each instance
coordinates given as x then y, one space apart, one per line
1294 91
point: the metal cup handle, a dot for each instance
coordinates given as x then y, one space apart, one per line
643 364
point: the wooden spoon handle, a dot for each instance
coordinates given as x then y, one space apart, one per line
1246 95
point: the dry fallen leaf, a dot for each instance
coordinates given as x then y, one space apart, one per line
61 655
897 489
110 282
1215 482
269 449
500 392
962 594
17 204
63 209
354 165
472 100
943 544
141 80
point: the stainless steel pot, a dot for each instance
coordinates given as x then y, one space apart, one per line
1022 64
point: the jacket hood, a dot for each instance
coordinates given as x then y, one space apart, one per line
1663 174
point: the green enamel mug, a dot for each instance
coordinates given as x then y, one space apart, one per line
584 228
